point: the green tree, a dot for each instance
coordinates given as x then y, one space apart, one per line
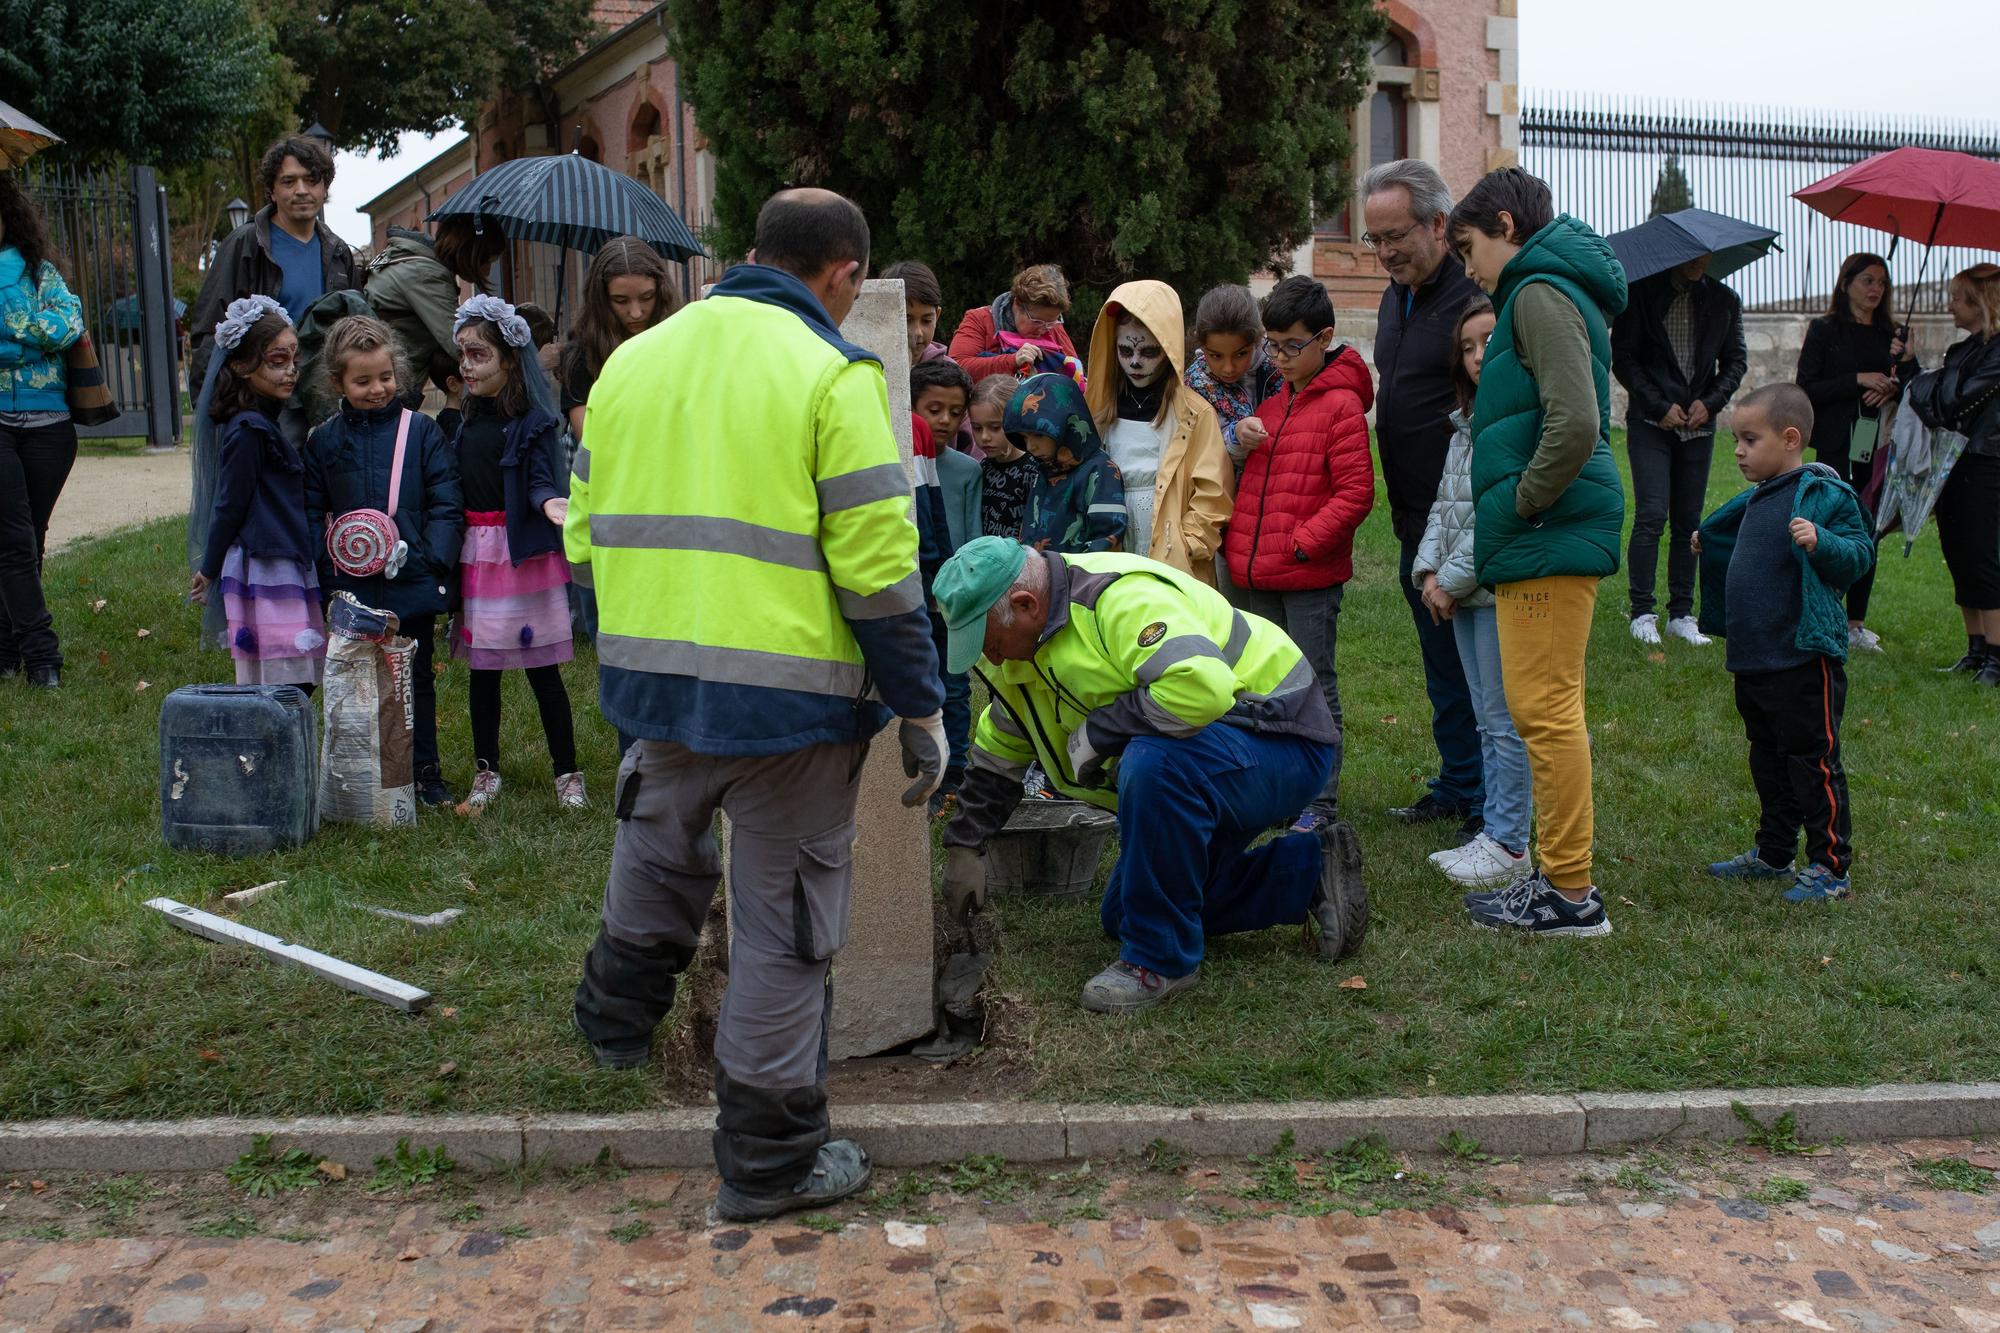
1671 193
376 69
1179 139
134 79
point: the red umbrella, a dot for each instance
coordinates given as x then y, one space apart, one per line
1927 194
1924 193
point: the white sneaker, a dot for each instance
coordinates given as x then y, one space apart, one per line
1646 628
569 792
1483 863
485 786
1451 854
1684 627
1863 639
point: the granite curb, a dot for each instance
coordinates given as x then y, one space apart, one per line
924 1135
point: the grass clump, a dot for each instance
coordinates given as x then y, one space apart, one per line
265 1174
1954 1173
408 1168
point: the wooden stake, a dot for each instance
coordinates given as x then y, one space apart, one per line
244 897
346 975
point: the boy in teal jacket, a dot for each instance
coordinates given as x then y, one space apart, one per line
1775 563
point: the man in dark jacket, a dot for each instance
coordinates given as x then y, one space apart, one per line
1405 209
1678 350
284 252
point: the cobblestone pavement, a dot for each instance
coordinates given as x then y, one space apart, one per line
1698 1241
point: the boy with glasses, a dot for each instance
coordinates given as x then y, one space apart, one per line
1306 487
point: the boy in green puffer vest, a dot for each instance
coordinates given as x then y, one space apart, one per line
1548 513
1775 563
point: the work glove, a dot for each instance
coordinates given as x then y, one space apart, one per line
925 751
964 882
1084 760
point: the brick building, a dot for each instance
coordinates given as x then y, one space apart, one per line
1445 91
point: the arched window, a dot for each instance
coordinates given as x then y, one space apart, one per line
649 153
1381 124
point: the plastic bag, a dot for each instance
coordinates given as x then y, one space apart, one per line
366 764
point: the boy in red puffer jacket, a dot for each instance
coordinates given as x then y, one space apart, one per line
1307 484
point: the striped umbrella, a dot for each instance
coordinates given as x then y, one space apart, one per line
572 202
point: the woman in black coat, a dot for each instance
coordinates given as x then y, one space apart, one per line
1853 363
1964 395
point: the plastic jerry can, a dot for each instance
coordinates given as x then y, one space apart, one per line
236 769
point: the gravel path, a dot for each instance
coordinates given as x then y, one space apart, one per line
108 492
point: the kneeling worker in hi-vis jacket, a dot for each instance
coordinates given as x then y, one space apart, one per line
1141 690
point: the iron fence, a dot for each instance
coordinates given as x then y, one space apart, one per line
109 229
1603 156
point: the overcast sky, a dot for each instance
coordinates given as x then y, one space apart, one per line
1852 55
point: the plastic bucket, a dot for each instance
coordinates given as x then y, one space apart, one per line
1049 849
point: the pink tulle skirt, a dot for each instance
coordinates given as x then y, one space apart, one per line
513 616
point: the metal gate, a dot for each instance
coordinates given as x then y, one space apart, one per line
109 229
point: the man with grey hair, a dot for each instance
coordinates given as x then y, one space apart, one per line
1405 204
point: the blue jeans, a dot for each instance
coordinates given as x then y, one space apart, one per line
1188 811
1509 789
1454 722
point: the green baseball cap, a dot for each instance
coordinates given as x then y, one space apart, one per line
966 589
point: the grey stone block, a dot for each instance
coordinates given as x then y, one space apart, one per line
477 1143
1886 1111
1531 1125
916 1135
677 1138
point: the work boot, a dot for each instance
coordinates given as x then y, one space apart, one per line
1124 988
626 990
1340 902
841 1169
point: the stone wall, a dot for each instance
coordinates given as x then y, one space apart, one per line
1773 343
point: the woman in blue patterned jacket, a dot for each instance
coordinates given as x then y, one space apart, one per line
39 319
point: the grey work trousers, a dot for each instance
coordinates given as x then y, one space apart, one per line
791 853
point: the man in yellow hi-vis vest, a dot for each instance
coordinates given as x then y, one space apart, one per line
1139 689
741 510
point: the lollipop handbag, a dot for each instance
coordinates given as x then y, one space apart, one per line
363 542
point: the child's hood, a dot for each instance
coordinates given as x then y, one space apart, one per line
1052 405
1152 303
1343 370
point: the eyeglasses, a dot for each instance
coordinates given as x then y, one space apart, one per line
1043 325
1376 240
1289 349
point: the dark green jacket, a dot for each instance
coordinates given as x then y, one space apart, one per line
1843 555
416 296
1547 501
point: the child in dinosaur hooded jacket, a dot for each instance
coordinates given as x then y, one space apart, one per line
1078 503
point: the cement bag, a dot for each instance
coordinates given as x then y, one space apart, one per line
366 770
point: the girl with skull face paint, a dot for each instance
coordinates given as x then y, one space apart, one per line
1164 436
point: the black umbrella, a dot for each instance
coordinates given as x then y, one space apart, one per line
1672 239
572 202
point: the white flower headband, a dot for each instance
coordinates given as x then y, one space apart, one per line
513 329
241 316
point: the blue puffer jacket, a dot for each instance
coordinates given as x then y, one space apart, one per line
39 319
347 467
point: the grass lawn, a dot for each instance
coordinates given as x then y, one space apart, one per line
106 1010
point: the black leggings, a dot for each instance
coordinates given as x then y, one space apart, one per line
34 463
1860 476
550 697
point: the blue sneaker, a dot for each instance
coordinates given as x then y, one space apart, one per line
1817 884
1311 820
1536 907
1749 865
